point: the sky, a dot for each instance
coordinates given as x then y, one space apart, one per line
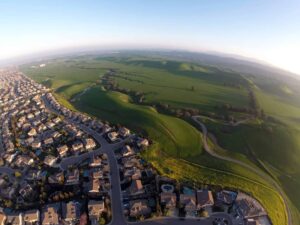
267 30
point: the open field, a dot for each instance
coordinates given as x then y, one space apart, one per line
181 84
280 107
249 139
174 83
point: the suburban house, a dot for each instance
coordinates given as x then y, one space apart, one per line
134 173
252 222
62 150
50 160
204 199
97 174
106 128
95 209
50 214
71 211
77 146
94 186
89 144
72 177
127 151
13 218
57 178
142 142
136 187
95 161
48 141
139 208
124 132
248 207
32 132
31 217
188 201
2 217
168 200
36 144
56 120
113 136
26 191
226 197
50 124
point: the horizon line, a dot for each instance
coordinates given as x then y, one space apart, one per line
68 50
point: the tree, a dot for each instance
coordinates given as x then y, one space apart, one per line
18 174
102 221
204 213
262 113
56 198
142 218
8 203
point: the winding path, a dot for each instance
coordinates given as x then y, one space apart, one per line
259 172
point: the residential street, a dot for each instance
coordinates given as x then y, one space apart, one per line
7 170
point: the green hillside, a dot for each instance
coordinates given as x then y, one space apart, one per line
174 136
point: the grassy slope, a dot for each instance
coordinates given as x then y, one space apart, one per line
279 107
250 139
175 136
282 102
170 83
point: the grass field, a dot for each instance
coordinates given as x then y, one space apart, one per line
189 85
280 107
249 139
174 136
168 82
180 84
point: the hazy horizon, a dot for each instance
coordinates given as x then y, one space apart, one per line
266 31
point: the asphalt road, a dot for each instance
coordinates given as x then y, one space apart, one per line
7 170
262 174
186 221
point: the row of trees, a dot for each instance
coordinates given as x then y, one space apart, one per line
222 111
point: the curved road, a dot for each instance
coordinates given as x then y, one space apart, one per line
262 174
